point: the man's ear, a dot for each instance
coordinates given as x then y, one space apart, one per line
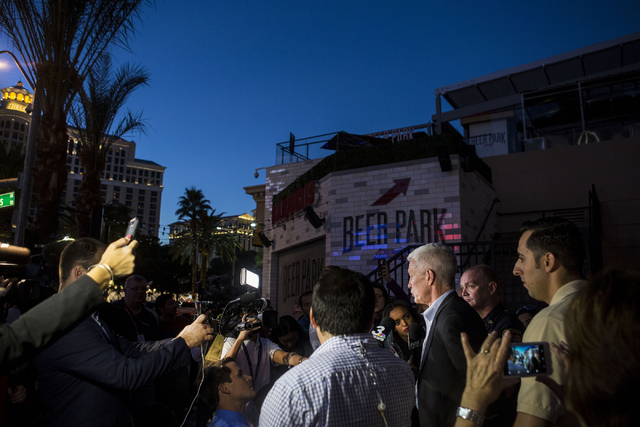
78 271
550 262
223 389
312 319
493 288
431 276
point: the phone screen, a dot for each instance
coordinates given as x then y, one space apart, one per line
528 360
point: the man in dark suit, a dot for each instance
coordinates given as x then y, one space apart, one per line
442 376
86 375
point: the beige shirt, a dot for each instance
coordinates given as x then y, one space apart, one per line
536 398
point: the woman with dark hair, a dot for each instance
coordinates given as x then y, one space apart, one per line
290 336
382 299
404 315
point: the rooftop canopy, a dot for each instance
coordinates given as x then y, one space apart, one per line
504 88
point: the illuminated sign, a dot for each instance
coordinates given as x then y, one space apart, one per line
294 203
425 226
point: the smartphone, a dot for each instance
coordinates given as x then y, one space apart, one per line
132 228
381 263
528 359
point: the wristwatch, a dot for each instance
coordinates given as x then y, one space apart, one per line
470 415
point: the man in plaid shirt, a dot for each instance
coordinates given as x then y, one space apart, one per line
349 379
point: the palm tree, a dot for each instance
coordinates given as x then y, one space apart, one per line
59 42
192 208
93 115
213 241
207 241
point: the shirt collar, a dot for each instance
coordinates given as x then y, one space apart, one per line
348 340
568 289
497 310
230 415
430 312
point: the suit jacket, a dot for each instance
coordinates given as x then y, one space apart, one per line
48 320
443 371
85 376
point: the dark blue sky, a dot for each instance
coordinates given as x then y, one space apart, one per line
231 79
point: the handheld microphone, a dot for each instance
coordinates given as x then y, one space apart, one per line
416 336
384 332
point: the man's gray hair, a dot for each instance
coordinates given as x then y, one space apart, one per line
437 257
134 279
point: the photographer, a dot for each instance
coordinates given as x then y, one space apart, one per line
48 320
256 358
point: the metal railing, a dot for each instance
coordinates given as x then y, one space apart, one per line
312 147
500 255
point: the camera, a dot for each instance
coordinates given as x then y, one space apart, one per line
268 319
27 279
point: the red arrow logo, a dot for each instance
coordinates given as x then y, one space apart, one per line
402 185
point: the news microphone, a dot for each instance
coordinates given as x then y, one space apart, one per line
384 332
416 336
14 254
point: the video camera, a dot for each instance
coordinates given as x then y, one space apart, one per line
226 305
230 320
26 278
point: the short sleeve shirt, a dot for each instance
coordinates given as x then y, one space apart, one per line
535 398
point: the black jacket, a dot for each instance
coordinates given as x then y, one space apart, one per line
46 321
443 371
86 375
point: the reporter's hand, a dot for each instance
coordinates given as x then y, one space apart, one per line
120 257
18 394
197 332
484 371
384 273
243 335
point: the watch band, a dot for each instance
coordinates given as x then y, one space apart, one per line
470 415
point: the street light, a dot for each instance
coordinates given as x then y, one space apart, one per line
26 183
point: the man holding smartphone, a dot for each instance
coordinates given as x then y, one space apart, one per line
550 259
85 377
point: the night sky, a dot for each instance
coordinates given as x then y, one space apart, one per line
231 79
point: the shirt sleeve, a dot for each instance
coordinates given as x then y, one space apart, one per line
534 397
271 347
398 292
85 353
283 406
228 343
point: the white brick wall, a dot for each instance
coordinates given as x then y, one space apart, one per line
465 196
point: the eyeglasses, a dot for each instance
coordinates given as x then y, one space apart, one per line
526 308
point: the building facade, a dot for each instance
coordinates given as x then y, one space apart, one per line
134 183
555 138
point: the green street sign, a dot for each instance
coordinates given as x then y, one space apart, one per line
7 199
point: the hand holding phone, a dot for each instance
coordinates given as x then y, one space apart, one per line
528 359
132 228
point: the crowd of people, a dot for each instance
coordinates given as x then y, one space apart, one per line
440 363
